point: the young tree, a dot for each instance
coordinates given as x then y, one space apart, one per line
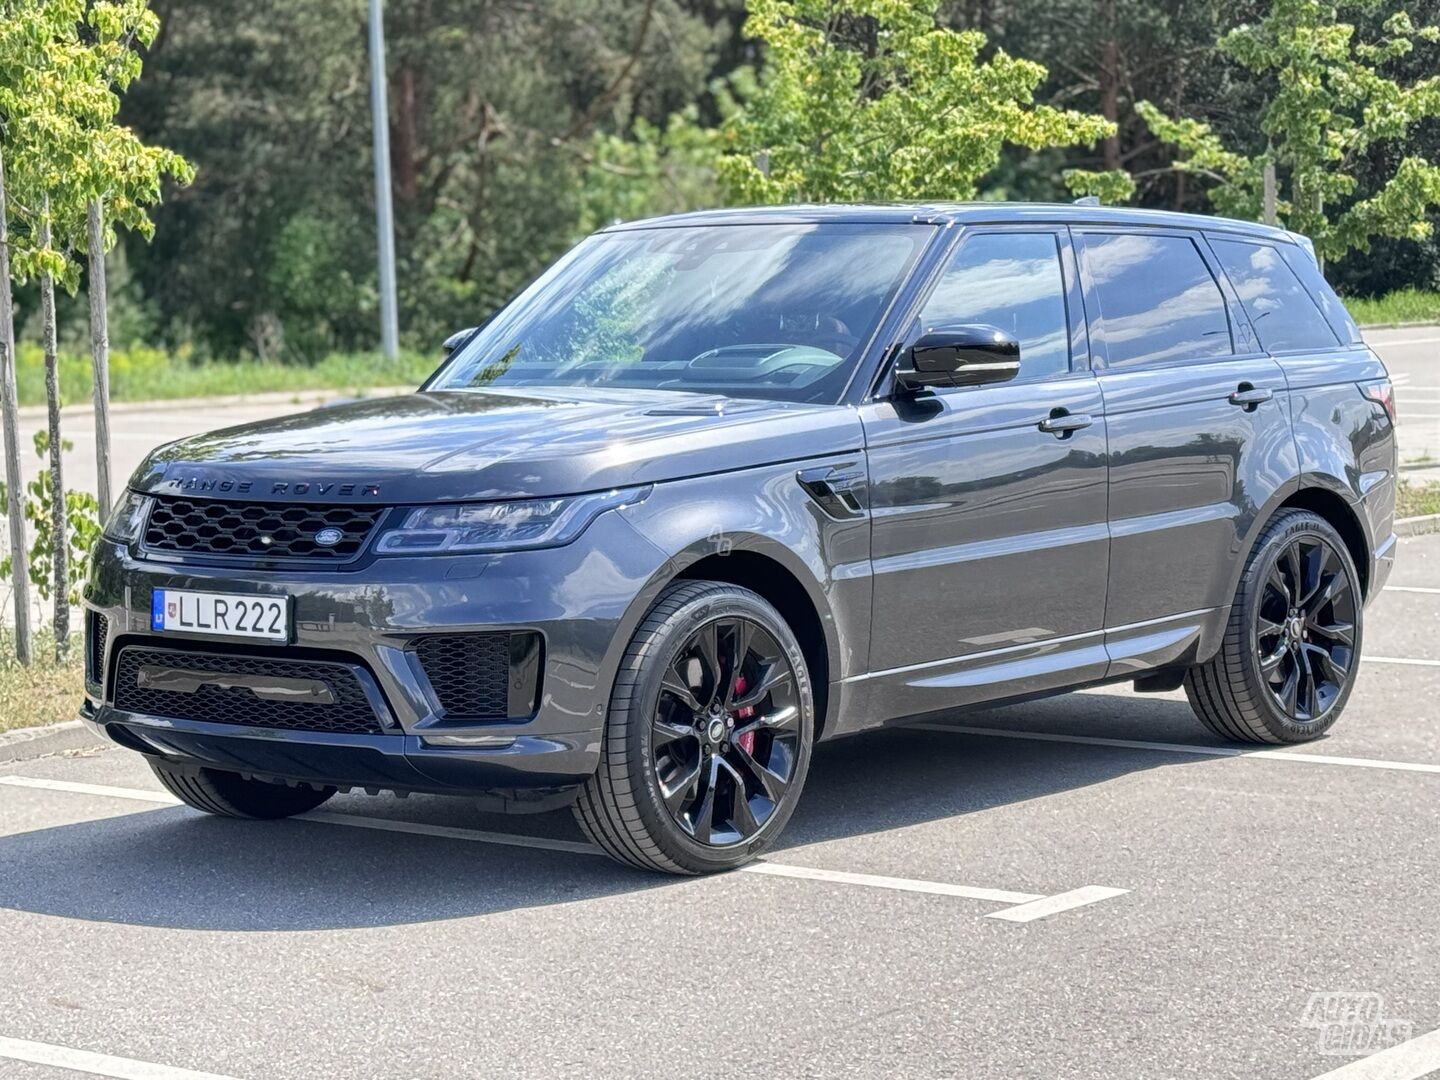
1330 103
21 33
124 175
873 99
70 158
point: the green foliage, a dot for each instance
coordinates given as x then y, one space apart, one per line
82 515
1329 105
658 169
66 62
141 373
874 100
1401 306
494 109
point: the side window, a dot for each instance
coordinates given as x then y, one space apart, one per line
1157 298
1304 267
1281 311
1011 281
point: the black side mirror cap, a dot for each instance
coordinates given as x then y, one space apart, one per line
960 355
455 340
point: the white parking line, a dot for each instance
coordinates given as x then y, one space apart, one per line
1411 588
1400 660
137 794
1408 1061
1183 748
63 1057
1019 901
1053 905
875 881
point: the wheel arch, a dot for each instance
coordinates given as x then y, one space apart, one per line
779 586
1342 518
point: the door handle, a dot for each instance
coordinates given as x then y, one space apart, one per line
1061 423
1250 397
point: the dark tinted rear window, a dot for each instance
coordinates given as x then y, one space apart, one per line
1158 300
1314 281
1281 311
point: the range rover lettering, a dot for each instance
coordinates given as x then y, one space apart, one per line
722 485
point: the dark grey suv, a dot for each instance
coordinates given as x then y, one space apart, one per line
718 486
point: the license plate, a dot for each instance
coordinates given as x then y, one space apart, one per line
266 618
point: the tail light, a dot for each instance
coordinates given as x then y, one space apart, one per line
1382 393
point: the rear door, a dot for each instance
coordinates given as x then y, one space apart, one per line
988 531
1199 431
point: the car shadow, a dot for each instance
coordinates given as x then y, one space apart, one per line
171 867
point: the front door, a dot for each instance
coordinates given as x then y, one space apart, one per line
989 542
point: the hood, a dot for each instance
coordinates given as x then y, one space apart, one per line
468 444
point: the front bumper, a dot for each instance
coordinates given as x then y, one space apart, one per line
580 599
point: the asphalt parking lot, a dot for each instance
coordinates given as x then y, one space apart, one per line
1087 886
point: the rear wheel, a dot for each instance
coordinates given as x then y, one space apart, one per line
227 794
708 738
1292 645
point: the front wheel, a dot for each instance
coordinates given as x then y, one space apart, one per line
1292 645
708 738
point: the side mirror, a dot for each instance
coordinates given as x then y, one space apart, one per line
455 340
964 355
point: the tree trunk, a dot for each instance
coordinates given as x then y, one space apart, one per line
59 520
10 421
1109 75
100 352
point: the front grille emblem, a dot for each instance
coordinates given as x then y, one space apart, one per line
329 537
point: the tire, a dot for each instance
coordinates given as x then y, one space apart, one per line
227 794
1242 693
623 807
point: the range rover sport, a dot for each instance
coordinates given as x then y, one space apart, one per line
721 485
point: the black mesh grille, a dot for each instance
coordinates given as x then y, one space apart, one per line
470 673
97 630
349 713
257 530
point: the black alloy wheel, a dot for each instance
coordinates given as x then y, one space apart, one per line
708 734
1305 628
1291 648
725 731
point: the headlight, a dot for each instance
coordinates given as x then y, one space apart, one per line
127 520
501 526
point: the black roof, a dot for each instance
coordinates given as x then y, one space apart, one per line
959 213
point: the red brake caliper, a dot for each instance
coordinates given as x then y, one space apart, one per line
745 741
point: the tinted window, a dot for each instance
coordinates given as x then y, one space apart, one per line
765 310
1157 299
1013 281
1303 266
1281 311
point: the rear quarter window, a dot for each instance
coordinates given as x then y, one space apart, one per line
1283 314
1316 285
1158 300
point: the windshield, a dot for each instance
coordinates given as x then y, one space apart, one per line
767 311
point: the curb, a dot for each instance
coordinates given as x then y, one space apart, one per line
1418 526
297 398
1398 325
26 744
